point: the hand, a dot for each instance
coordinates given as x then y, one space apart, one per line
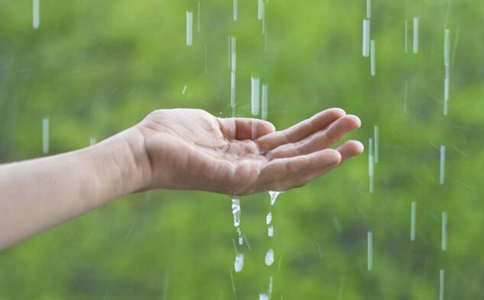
193 150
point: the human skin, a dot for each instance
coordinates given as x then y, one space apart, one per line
181 149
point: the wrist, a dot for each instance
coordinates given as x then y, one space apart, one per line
122 163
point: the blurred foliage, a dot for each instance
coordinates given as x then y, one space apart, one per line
97 67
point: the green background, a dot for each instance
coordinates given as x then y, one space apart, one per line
97 67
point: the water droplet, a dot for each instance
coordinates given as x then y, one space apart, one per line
263 297
270 231
239 262
269 257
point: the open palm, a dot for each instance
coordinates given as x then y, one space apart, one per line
191 149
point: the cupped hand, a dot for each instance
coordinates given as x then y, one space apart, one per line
192 150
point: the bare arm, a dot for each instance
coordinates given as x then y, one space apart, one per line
171 149
41 193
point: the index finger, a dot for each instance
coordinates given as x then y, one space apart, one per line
244 128
301 130
285 173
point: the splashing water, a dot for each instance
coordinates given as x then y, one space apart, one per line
274 196
239 257
269 259
236 210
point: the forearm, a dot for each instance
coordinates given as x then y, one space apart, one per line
38 194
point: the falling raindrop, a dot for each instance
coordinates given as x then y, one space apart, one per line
444 231
413 219
269 260
370 250
415 35
45 136
36 14
366 38
189 28
239 262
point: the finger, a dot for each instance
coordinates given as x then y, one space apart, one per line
275 174
244 129
319 140
302 179
347 151
302 130
350 149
